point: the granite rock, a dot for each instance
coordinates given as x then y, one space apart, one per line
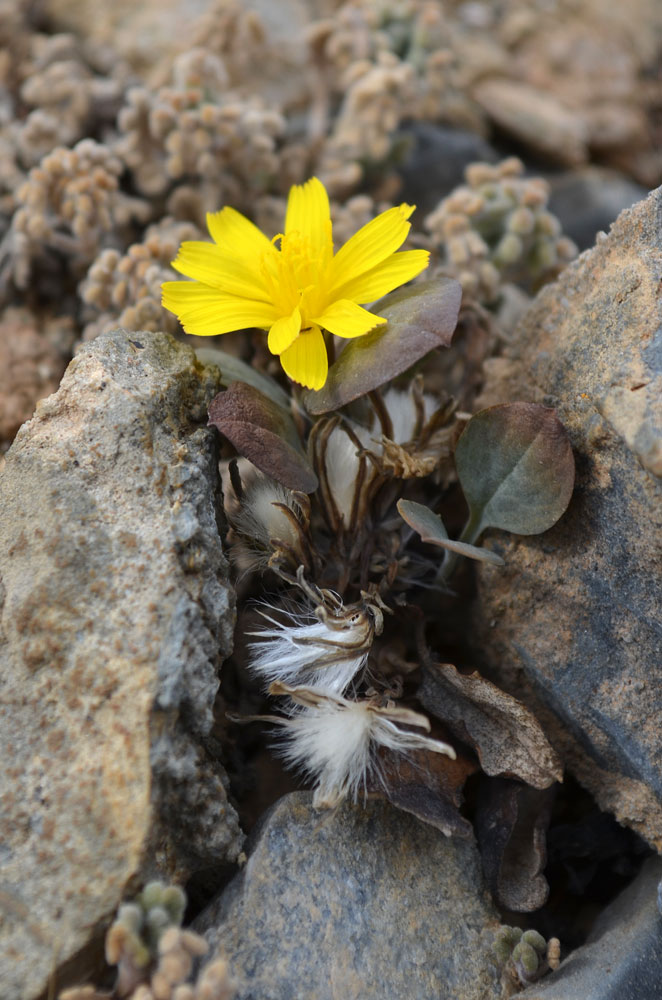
622 959
115 612
571 624
360 903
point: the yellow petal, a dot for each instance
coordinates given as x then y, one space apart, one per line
346 319
373 243
204 311
236 235
394 271
206 262
308 213
306 361
284 332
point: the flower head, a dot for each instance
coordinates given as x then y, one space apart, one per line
298 288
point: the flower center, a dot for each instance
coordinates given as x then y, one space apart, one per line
298 275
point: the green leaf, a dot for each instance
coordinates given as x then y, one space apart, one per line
263 433
235 370
420 318
431 529
516 468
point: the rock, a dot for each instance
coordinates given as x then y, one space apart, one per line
535 118
588 62
622 959
436 160
587 201
571 624
115 611
31 367
360 903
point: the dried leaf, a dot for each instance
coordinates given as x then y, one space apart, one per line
506 736
516 468
264 433
420 318
511 821
431 529
428 785
235 370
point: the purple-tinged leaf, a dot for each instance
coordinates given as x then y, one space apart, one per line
420 318
264 433
516 468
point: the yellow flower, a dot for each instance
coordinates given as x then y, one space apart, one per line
295 290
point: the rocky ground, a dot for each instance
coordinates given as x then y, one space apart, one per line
118 604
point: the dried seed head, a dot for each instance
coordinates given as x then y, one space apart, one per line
335 740
327 646
417 431
270 522
262 515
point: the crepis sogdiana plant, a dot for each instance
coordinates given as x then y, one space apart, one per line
348 565
337 500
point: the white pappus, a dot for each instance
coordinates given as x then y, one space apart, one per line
325 647
335 740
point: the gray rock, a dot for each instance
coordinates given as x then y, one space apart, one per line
435 162
571 624
622 959
588 200
115 611
360 903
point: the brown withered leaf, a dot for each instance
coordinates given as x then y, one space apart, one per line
511 823
508 739
426 784
264 433
420 318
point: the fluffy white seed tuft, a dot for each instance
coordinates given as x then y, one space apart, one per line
321 648
335 740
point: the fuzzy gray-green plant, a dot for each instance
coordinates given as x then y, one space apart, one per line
525 953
